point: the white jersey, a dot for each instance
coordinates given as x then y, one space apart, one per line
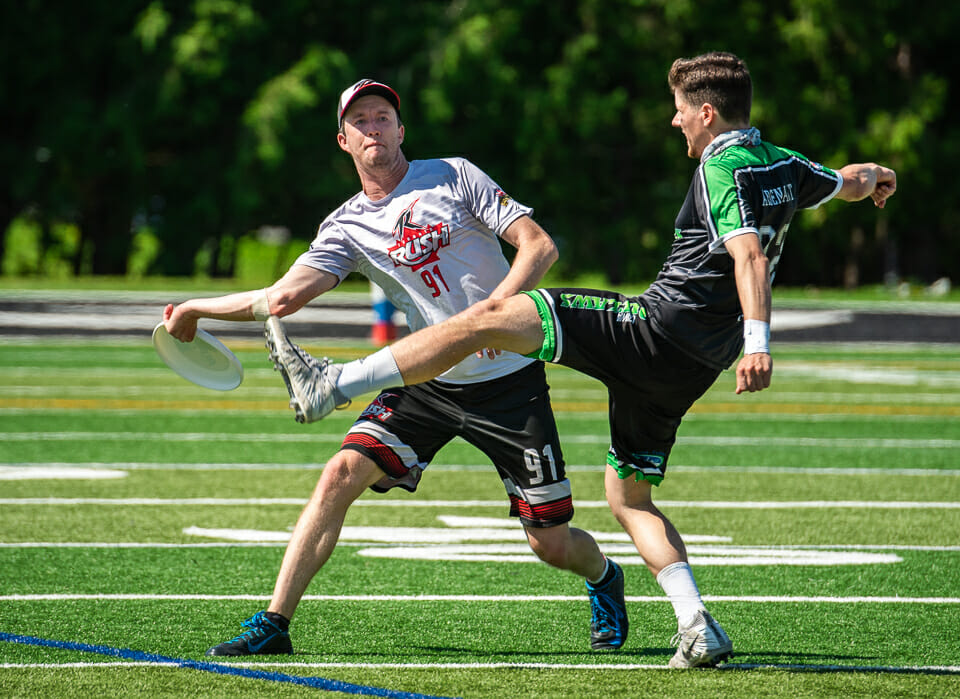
432 245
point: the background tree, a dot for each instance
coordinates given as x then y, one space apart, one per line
202 121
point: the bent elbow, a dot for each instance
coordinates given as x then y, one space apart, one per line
551 253
282 302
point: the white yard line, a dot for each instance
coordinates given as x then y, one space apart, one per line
313 437
373 502
593 667
453 468
754 599
255 544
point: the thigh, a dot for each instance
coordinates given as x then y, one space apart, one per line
600 333
402 429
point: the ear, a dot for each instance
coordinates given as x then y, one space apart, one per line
402 132
708 114
342 142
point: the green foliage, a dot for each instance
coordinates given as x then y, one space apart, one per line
23 248
260 262
144 252
212 118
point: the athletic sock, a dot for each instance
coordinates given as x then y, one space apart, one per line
278 619
373 373
606 576
681 589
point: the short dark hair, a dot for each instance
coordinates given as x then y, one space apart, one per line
719 78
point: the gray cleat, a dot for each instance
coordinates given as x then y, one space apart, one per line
312 384
703 643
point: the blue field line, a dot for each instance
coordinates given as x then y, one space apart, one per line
216 668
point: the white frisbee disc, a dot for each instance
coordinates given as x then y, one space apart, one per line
206 361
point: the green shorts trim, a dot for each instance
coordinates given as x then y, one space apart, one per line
625 470
548 351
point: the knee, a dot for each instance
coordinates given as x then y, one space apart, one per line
623 509
481 314
346 474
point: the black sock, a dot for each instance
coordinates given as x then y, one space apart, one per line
608 577
278 619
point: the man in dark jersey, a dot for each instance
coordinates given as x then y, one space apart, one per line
659 352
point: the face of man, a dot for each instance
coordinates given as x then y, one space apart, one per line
371 132
689 118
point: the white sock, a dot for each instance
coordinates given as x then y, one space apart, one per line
678 583
370 374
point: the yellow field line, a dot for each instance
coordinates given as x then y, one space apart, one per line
126 404
559 406
827 409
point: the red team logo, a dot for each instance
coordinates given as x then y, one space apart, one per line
377 410
417 245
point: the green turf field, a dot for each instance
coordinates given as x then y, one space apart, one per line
141 516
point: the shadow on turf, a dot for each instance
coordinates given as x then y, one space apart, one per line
806 662
452 653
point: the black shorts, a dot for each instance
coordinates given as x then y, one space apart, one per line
651 384
509 419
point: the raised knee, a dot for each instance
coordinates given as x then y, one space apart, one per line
485 313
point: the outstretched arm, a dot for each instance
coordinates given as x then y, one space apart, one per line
289 294
862 180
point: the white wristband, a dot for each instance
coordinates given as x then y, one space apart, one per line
261 306
756 337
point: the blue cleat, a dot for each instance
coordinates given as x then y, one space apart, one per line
609 623
262 637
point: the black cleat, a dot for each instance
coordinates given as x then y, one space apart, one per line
262 637
609 623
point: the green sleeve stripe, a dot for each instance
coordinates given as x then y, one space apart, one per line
721 193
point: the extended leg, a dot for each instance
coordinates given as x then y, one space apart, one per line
510 324
344 478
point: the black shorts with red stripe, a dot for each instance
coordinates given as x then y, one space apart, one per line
509 419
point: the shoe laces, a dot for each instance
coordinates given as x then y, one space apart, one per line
690 634
254 626
601 617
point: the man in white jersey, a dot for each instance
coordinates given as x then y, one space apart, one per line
428 233
657 353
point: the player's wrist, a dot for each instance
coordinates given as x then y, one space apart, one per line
260 307
756 336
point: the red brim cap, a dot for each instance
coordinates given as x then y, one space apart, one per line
366 87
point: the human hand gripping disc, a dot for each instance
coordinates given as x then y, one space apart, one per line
205 361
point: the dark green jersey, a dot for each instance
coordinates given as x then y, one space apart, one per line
742 186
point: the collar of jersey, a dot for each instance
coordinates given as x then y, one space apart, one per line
737 137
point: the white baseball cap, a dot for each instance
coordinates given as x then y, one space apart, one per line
366 87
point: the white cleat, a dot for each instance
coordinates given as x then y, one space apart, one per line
703 643
312 385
